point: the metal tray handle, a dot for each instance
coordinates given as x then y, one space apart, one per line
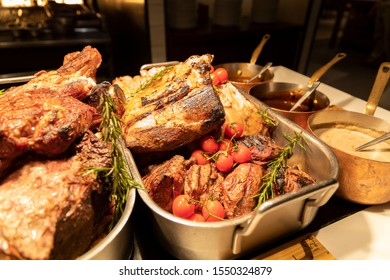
313 200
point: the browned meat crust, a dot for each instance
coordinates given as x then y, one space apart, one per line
239 189
173 109
166 181
75 77
47 207
41 123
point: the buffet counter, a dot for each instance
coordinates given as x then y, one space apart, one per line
363 234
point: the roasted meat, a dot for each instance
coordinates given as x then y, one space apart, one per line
49 208
263 148
50 112
203 182
291 179
173 108
241 110
239 189
166 181
40 122
75 77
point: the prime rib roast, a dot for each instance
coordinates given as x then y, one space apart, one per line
49 209
171 108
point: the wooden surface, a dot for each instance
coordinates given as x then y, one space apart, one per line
303 248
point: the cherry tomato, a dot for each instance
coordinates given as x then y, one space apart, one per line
197 218
182 206
215 79
200 157
234 130
243 154
224 162
222 75
226 146
209 144
213 211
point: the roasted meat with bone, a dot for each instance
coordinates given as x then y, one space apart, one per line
76 77
45 115
49 208
171 109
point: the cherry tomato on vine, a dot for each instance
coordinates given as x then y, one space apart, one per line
222 75
224 162
209 144
226 146
234 130
215 79
197 218
243 154
200 157
182 206
213 211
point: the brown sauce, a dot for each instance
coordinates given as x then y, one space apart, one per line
286 100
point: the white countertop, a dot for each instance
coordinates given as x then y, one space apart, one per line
364 235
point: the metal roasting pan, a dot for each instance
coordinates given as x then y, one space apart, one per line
119 242
274 219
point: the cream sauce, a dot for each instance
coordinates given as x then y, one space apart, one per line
346 138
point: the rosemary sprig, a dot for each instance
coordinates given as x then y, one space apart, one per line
122 181
279 163
152 79
267 119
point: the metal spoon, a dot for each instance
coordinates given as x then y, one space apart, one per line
382 138
261 72
309 91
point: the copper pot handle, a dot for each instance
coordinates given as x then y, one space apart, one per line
381 80
321 71
259 48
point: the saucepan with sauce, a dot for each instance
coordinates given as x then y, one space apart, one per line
364 175
240 73
282 96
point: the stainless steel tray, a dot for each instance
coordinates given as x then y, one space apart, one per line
274 219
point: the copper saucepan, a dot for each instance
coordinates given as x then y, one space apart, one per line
282 96
364 175
241 72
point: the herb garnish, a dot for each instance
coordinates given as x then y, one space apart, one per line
266 189
267 119
152 79
122 181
